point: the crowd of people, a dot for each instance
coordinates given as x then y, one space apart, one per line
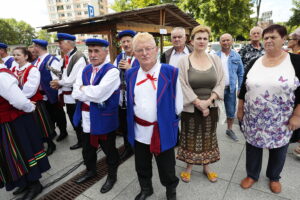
156 104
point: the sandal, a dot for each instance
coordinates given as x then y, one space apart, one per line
185 176
211 176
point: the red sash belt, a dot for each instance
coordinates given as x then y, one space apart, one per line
155 139
67 92
85 107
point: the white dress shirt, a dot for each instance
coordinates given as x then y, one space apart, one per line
145 107
67 81
95 93
175 56
33 80
224 59
10 91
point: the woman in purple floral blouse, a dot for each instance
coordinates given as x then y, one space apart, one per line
269 108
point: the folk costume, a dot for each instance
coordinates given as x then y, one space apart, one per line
154 101
73 63
22 156
49 68
8 61
122 103
97 92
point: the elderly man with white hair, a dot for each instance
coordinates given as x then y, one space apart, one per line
254 49
73 63
154 101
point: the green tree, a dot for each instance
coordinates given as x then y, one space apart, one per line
44 35
19 32
7 33
294 21
122 5
231 16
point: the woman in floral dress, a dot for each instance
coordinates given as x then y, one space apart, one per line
269 107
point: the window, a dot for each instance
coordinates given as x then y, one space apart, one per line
53 15
78 6
101 7
50 1
52 9
60 7
84 5
78 13
58 1
69 14
68 7
62 15
85 12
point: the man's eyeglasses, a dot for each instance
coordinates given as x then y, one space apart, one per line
147 50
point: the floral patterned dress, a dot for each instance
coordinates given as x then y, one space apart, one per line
269 104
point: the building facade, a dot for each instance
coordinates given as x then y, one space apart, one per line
61 11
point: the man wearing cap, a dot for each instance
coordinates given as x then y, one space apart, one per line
124 61
73 63
97 92
179 49
6 59
154 101
50 69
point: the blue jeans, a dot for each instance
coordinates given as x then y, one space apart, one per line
230 102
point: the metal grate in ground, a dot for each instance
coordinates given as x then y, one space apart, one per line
69 190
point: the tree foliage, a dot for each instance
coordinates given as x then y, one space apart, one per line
44 35
16 32
232 16
295 18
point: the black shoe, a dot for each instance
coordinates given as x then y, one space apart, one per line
53 135
87 176
126 153
171 194
51 148
76 146
144 194
20 190
62 136
33 191
108 185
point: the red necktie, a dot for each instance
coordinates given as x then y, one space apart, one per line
151 78
66 60
37 62
129 60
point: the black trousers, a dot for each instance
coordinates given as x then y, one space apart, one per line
165 164
57 115
275 164
123 125
71 110
108 146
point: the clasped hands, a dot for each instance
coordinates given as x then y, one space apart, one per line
54 84
123 64
203 106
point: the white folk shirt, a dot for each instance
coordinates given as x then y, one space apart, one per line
175 56
14 63
33 80
224 59
67 81
95 93
145 107
55 65
121 91
10 91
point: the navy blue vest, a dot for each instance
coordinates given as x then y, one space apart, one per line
104 117
46 77
9 62
166 112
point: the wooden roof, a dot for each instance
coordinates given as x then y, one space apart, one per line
150 19
166 15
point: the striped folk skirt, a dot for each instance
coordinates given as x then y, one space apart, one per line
22 155
198 143
43 120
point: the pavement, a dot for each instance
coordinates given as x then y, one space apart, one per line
231 170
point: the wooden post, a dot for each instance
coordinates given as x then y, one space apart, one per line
112 41
162 22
